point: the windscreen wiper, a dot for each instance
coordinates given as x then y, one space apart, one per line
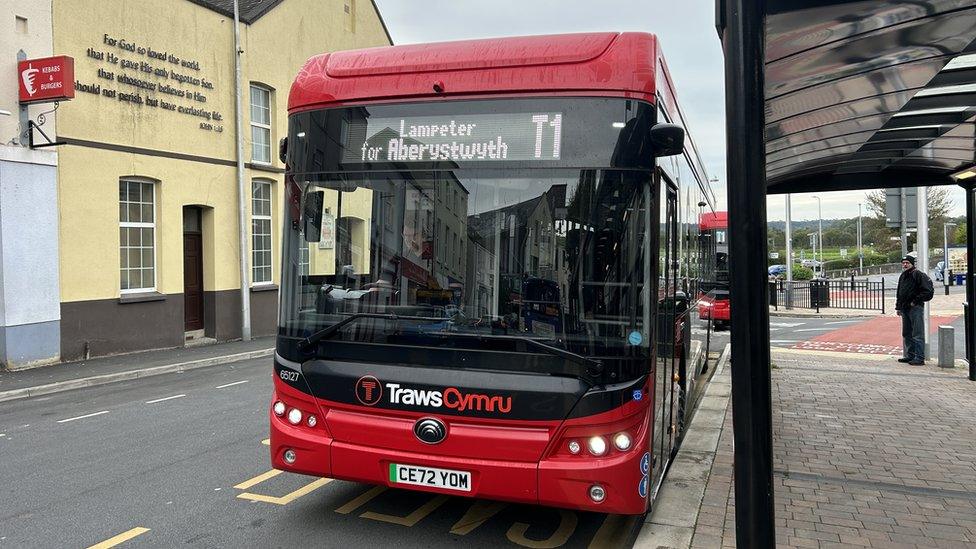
593 368
327 332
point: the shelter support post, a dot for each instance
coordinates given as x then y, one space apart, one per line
743 36
970 310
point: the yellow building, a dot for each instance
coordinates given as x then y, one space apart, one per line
147 180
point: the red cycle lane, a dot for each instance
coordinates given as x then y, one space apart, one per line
879 336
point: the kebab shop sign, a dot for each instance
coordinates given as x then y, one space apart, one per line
46 79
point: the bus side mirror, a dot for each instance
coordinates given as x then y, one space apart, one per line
283 150
667 139
312 215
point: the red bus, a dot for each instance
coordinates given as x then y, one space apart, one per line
714 302
469 171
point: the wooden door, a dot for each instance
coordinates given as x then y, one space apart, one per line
192 281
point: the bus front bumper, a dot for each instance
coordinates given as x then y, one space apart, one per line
554 482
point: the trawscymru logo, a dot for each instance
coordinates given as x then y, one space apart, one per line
452 398
370 391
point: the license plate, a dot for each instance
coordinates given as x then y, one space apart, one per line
430 476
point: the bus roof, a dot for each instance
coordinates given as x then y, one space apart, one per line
605 63
713 220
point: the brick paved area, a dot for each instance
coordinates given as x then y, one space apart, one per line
866 453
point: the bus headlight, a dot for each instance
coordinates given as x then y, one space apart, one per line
279 408
622 441
311 421
597 493
574 447
597 446
294 416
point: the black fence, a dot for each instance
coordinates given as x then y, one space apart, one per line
823 294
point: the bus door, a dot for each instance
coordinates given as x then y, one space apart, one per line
664 402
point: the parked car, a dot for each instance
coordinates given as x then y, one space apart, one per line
777 270
811 263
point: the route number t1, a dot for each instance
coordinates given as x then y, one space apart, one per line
557 129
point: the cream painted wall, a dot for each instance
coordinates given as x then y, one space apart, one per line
90 221
36 42
275 48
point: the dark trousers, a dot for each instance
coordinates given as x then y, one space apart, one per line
913 332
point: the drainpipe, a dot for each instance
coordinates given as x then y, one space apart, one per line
241 194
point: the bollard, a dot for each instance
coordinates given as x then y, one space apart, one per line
947 355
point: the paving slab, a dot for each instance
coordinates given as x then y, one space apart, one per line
866 453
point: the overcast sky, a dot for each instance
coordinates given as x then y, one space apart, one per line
691 46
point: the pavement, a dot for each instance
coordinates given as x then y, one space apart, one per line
676 511
866 452
181 459
99 371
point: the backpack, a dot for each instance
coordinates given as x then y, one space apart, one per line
927 289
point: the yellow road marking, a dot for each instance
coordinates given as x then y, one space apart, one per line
361 500
289 497
411 519
123 537
258 479
266 442
567 525
614 531
479 513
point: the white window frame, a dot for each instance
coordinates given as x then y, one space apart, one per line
270 219
304 260
141 225
255 124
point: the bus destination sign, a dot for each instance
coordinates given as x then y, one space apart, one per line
473 137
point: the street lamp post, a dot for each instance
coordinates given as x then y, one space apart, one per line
819 234
860 248
945 256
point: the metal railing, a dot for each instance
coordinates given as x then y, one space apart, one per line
885 268
822 294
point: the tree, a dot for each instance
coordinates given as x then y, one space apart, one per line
838 237
801 238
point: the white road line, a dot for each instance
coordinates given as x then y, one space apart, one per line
230 384
162 399
784 340
3 435
787 324
82 417
813 330
842 322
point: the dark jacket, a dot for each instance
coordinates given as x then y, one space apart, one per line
914 288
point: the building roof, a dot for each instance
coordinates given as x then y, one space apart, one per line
250 10
863 94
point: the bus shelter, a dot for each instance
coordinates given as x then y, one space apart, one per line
830 95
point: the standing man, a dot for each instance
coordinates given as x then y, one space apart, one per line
914 289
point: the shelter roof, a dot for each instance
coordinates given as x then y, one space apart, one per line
864 94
